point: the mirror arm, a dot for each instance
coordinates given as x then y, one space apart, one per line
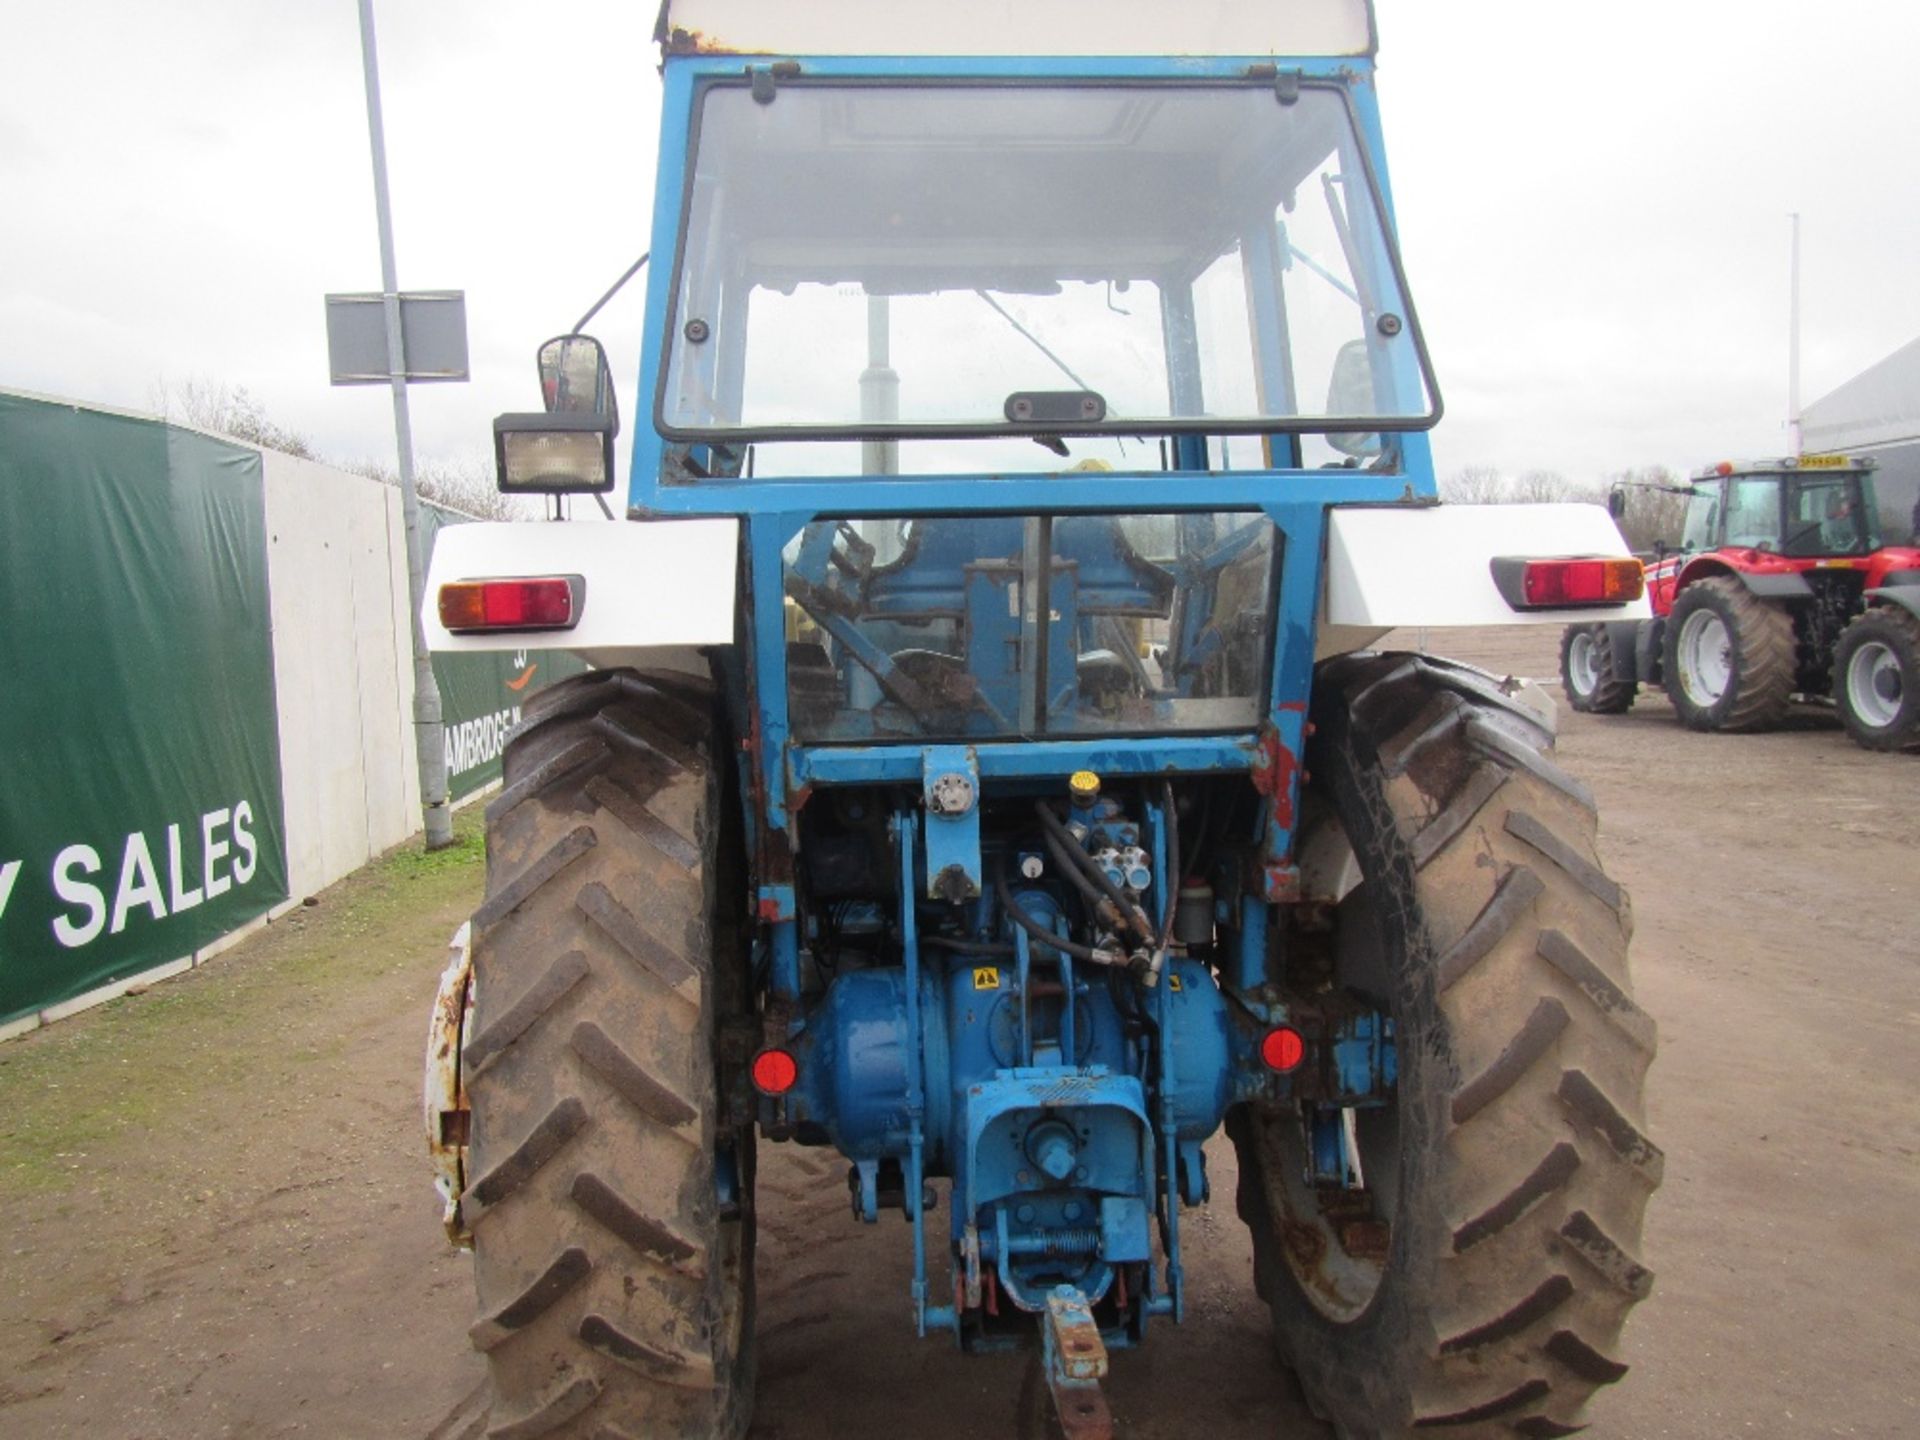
612 290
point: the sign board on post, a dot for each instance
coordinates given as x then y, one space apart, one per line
433 335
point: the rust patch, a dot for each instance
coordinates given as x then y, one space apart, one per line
681 41
1365 1239
1281 883
1305 1243
1275 768
447 1115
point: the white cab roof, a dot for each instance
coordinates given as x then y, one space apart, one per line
1019 27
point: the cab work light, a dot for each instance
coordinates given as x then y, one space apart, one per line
558 454
1568 582
547 602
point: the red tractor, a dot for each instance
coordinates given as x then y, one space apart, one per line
1780 588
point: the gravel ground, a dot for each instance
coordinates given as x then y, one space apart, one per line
218 1220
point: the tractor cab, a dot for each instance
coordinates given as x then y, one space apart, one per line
1818 507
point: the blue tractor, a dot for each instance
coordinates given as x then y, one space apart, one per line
987 771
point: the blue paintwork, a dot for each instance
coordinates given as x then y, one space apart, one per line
1365 1063
953 841
1065 1137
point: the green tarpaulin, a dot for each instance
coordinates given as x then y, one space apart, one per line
140 809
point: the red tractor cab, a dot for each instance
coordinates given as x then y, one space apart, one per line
1780 589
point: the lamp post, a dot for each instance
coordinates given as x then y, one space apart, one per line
429 743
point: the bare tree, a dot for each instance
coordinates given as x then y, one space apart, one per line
466 485
1540 487
230 410
1655 510
1475 485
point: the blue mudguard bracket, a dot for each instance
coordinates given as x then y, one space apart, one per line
1174 1301
950 787
940 1316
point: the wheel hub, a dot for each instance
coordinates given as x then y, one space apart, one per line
1580 664
1706 657
1874 684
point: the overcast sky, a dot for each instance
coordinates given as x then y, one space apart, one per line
1592 201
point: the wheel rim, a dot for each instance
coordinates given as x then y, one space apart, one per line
1706 657
1875 689
1580 667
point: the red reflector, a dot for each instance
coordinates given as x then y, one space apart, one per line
1282 1049
1549 583
546 603
774 1072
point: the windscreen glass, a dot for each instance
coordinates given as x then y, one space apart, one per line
972 259
1000 626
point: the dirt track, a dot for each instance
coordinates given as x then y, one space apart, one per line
218 1220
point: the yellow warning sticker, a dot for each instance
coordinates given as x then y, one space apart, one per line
1174 981
986 977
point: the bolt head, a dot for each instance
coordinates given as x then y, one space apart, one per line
950 794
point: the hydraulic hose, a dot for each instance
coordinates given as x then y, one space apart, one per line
1098 904
1063 859
1035 930
1129 912
1170 881
966 947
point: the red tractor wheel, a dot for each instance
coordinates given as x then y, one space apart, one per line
1729 657
1876 679
1592 675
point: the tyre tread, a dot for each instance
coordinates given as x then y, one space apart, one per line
548 989
1901 630
1763 641
605 1267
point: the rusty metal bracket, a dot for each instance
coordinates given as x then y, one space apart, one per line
448 1118
1076 1361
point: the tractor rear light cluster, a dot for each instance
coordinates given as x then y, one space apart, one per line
549 602
1568 582
1282 1049
774 1072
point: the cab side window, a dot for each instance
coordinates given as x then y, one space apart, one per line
1703 515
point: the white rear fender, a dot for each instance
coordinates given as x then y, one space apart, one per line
654 592
1396 566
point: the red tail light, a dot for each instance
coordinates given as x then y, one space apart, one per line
774 1072
1282 1049
549 602
1569 581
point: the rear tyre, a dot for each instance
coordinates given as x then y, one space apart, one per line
615 1290
1595 683
1876 679
1729 661
1483 1292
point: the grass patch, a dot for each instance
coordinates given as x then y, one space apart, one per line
223 1038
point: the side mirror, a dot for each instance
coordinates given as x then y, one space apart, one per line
1617 504
575 379
1350 392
